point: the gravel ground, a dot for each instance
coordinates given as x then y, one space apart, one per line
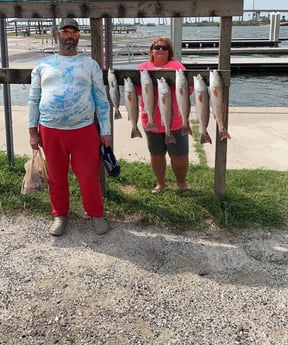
141 285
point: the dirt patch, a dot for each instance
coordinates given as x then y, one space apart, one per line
141 285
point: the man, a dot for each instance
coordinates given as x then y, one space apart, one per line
66 91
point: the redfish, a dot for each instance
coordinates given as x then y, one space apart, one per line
114 93
217 102
165 107
148 96
131 103
183 100
202 107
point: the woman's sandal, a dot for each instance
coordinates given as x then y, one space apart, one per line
184 191
156 190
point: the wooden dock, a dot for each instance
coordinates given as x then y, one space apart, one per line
235 43
246 66
237 51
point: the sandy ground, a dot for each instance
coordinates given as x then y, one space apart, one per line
138 286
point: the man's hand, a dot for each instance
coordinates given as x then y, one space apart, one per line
106 140
34 140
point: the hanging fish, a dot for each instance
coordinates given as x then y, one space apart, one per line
202 107
147 88
114 93
217 102
131 103
183 100
165 107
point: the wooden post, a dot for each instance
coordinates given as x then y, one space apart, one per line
221 145
6 92
97 54
176 35
97 40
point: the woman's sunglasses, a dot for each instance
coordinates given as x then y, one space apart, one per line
71 31
158 47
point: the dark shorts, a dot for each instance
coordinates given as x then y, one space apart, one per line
156 143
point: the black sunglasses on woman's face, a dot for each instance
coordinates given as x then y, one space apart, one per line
158 47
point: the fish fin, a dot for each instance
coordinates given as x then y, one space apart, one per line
215 92
224 134
186 130
170 139
205 138
163 100
136 133
117 114
151 126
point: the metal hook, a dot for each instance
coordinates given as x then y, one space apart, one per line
24 87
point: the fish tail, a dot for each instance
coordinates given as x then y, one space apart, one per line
205 138
117 114
224 134
186 130
170 139
136 133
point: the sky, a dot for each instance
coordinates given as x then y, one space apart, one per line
266 4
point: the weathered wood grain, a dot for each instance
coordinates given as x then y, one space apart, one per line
121 9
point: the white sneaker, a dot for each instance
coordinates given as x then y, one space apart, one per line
100 225
58 226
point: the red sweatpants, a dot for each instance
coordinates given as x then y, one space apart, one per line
81 147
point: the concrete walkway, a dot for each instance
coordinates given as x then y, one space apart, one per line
258 138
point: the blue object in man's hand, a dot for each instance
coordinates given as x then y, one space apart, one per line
111 164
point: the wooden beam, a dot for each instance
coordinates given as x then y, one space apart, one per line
15 76
121 9
23 76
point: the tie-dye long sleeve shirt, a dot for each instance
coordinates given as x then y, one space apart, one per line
65 93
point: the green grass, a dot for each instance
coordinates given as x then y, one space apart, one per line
253 198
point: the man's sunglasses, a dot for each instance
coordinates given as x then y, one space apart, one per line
71 31
158 47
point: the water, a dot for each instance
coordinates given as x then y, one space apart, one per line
246 90
212 32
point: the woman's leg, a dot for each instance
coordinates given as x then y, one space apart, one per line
179 158
180 166
158 164
157 149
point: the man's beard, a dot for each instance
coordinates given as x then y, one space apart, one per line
69 43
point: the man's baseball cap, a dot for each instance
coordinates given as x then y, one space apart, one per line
68 23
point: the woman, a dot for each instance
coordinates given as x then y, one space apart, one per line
162 57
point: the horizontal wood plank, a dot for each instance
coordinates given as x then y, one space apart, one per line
23 76
121 9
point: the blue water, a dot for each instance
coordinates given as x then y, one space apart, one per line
246 90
